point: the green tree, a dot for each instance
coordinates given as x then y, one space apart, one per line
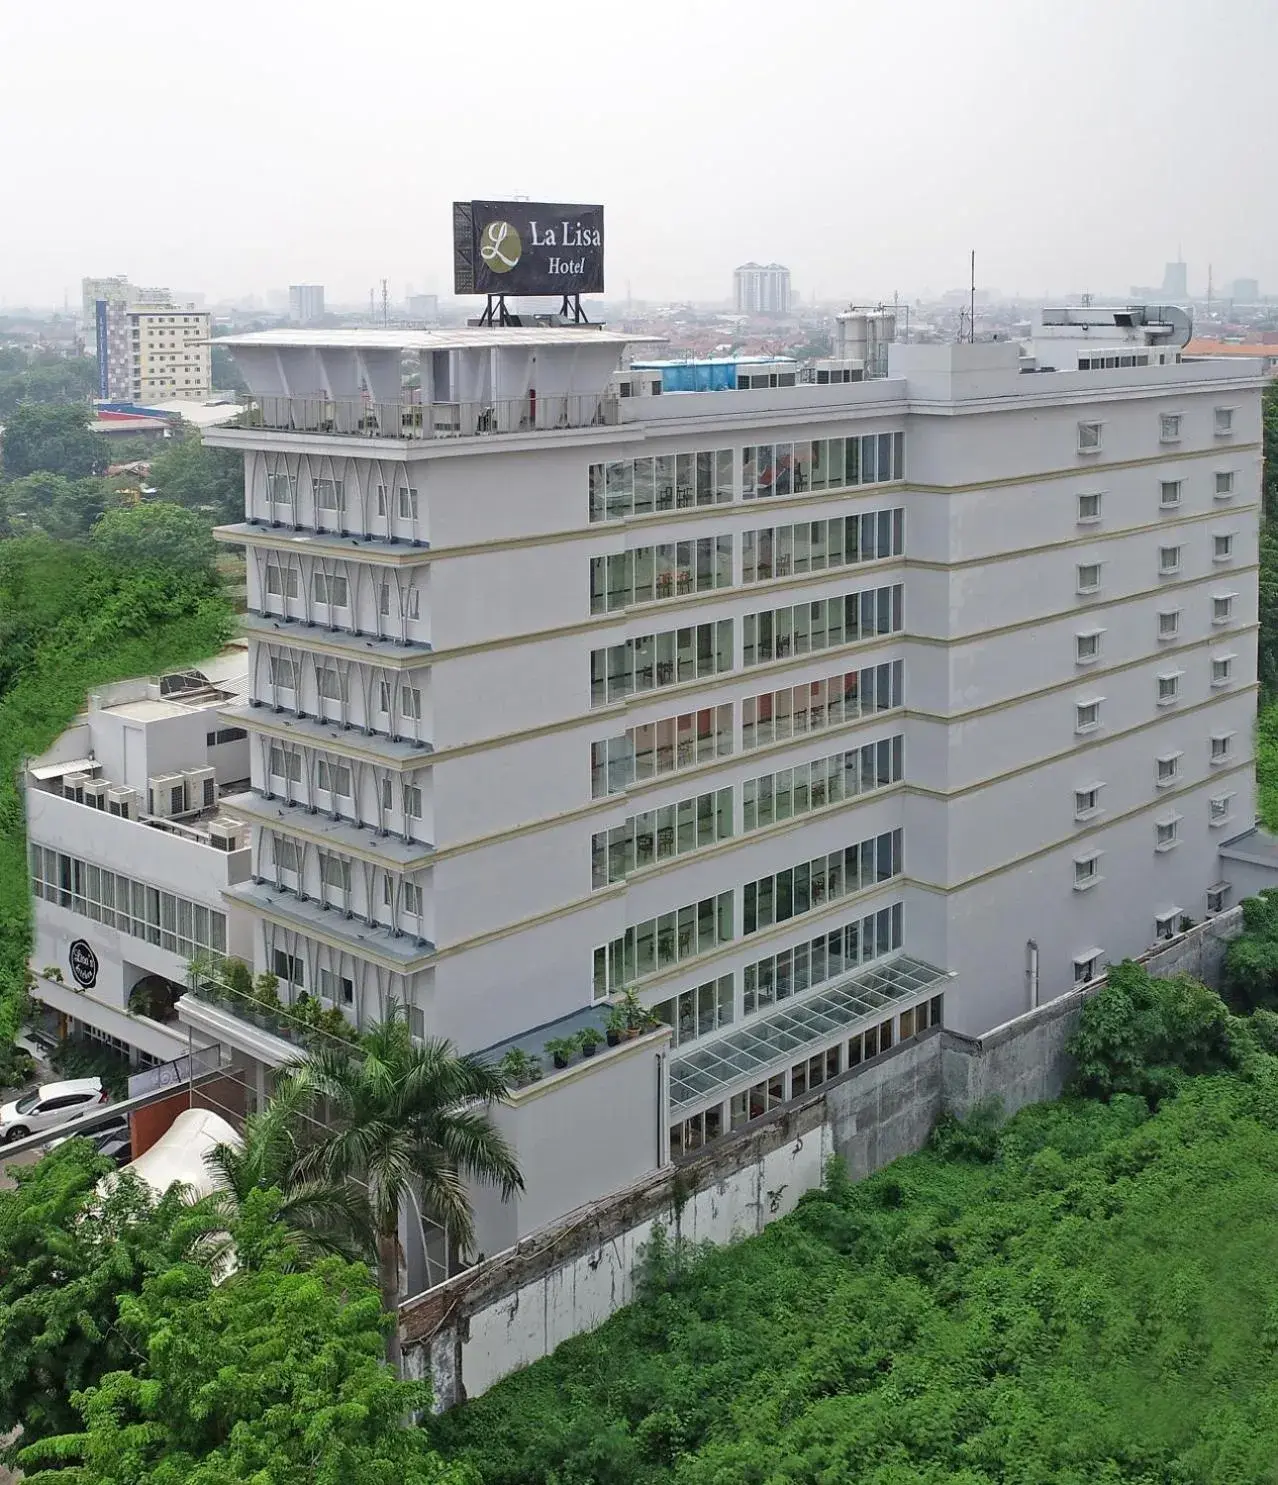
1141 1035
227 376
51 437
318 1216
273 1375
1251 960
401 1116
62 1279
187 472
44 376
155 535
65 509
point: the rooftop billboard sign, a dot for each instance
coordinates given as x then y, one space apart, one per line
527 247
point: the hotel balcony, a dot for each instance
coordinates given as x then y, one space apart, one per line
360 418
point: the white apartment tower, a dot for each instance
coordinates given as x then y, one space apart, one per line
305 303
801 712
761 289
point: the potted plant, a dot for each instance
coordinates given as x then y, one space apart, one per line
588 1039
616 1025
633 1010
519 1067
562 1049
650 1020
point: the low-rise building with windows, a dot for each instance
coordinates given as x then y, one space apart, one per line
131 855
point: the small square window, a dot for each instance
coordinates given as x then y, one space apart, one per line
1089 437
1087 716
1219 809
1087 646
1222 546
1222 747
1086 872
1169 623
1224 421
1168 770
1169 427
1168 688
1168 560
1087 801
1166 834
1168 494
1222 608
1089 575
1224 484
1089 508
1165 924
1087 967
1222 670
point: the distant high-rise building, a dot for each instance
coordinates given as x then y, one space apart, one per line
305 303
761 289
117 290
1176 281
149 348
1246 290
423 307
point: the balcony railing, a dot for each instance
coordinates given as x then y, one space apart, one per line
357 418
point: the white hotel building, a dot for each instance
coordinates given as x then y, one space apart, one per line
812 713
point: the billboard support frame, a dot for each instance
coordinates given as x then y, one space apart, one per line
496 312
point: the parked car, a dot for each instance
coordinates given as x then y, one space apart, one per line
50 1105
110 1138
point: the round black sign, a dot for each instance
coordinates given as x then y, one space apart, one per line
84 964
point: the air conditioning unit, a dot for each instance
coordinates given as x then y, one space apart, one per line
167 795
201 789
95 793
73 786
122 802
224 836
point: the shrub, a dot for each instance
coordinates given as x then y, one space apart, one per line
976 1137
1142 1035
1251 961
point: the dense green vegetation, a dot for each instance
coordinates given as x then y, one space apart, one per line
243 1336
127 1363
43 377
1082 1295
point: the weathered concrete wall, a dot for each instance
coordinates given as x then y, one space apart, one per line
512 1309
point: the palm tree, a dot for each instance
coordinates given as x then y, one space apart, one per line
398 1117
319 1216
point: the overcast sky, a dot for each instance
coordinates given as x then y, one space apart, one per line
867 144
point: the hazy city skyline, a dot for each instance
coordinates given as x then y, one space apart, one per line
1074 146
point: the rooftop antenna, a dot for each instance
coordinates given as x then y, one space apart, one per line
971 318
385 304
372 313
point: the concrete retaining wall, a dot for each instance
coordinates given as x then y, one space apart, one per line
569 1277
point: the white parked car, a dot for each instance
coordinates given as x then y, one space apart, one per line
50 1105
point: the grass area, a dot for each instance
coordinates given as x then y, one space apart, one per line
1094 1305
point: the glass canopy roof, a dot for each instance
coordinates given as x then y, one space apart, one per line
739 1056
